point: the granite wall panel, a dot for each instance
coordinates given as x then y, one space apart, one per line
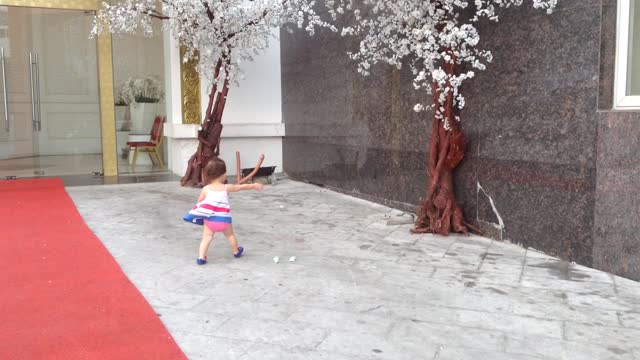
617 214
616 245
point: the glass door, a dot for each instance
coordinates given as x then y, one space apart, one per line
50 98
16 145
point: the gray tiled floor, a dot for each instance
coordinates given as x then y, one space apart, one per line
360 289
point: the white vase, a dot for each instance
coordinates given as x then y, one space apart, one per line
122 118
142 116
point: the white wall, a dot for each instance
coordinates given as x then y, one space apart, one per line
257 98
252 120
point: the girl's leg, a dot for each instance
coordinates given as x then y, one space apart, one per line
207 236
231 237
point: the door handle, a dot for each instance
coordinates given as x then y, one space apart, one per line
34 120
38 104
34 74
7 125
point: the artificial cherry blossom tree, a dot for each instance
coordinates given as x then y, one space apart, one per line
220 34
439 41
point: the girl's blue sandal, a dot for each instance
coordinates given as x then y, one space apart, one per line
201 261
239 253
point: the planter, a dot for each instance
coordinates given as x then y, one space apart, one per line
121 144
265 171
123 118
142 115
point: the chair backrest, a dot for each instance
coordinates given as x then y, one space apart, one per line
157 129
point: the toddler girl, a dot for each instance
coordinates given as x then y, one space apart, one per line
213 210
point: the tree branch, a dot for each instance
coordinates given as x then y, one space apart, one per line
161 17
209 12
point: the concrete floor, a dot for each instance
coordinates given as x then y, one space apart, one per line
362 287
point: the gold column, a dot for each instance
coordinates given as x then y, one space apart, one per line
190 89
107 106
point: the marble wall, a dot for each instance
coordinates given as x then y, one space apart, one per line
617 231
617 234
541 139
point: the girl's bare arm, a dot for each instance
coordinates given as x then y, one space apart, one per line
203 194
236 188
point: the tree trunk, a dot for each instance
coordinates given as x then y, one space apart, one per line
209 134
439 213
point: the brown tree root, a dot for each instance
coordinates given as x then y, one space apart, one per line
209 134
439 212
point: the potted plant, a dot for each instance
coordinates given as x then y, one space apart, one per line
123 117
143 96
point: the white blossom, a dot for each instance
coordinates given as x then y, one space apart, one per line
147 89
230 31
426 35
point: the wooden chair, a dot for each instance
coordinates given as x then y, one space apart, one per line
151 147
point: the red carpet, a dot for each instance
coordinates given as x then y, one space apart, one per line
62 295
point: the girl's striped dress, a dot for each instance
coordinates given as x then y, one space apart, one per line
215 208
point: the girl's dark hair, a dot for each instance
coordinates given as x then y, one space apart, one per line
214 169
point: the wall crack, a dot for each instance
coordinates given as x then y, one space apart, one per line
500 224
